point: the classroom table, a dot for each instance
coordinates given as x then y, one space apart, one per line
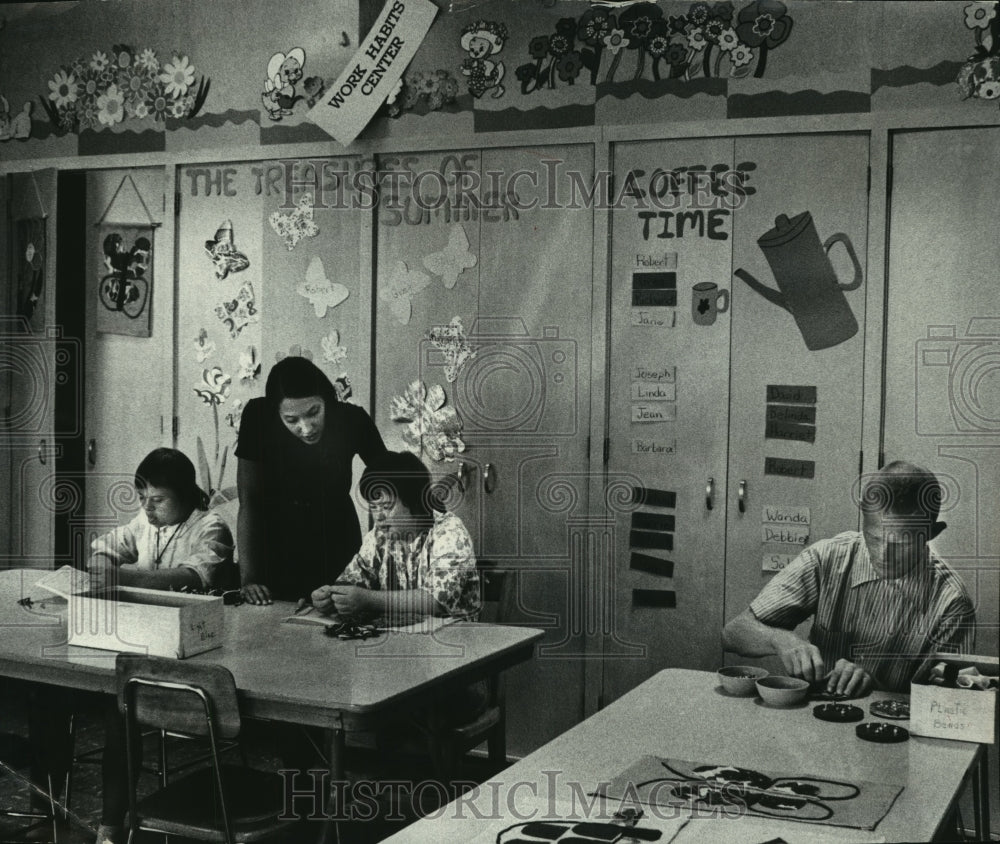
283 671
684 714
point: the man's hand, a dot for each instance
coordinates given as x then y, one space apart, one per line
802 659
100 573
322 599
351 601
848 679
255 593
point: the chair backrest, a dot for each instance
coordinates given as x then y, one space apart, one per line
494 591
179 696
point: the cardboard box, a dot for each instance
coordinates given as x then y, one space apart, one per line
149 621
954 713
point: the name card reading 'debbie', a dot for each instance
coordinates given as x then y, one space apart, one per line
784 534
374 70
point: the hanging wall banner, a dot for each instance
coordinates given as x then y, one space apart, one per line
374 70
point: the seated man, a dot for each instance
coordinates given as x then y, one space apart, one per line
881 600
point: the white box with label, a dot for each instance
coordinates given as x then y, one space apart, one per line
148 621
954 713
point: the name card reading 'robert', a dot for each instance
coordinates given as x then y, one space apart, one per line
653 392
776 562
784 535
643 412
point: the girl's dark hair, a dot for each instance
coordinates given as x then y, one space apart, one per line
403 476
297 378
171 469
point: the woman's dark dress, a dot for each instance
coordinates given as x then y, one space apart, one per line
311 528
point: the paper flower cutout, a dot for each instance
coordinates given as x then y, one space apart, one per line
237 313
454 345
399 289
319 290
249 365
342 387
297 223
235 414
454 259
203 347
333 352
431 427
223 252
295 351
214 386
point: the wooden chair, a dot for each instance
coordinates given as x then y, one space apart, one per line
198 700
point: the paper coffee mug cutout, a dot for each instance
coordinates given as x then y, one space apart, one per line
808 287
319 290
454 259
400 288
707 302
296 224
223 252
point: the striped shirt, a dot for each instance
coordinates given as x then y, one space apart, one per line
885 625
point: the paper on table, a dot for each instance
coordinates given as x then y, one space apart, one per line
750 831
65 581
428 624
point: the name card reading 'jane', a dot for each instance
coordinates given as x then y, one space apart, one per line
784 535
646 446
653 317
779 514
665 412
653 392
654 374
775 562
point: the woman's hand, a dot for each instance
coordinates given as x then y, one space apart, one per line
322 599
351 601
255 593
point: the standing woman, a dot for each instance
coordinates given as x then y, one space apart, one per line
297 527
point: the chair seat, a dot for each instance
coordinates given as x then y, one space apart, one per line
477 729
185 807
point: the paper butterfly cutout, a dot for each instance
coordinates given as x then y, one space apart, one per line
333 352
224 254
319 290
236 314
399 289
432 427
249 365
454 259
297 223
203 347
454 345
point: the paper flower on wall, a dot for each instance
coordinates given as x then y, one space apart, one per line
454 259
249 365
295 351
319 290
399 289
203 347
333 352
342 387
297 223
450 339
235 414
223 252
237 313
430 426
214 386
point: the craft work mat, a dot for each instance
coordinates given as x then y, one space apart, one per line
793 796
760 831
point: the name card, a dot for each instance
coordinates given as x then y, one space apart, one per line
789 468
653 317
776 562
785 515
781 535
791 393
661 261
655 374
791 413
666 412
789 431
644 446
653 392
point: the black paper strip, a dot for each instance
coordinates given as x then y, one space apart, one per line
647 539
660 598
653 497
651 565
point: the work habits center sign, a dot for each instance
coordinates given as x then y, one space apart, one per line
375 68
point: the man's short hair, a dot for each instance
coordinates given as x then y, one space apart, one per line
903 489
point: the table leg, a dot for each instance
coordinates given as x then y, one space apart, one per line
981 795
337 791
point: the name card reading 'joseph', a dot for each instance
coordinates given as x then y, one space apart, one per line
654 374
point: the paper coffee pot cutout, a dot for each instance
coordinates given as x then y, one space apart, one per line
223 252
808 287
319 290
454 259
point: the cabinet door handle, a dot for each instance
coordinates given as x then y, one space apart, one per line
92 452
489 478
710 494
741 497
41 452
460 476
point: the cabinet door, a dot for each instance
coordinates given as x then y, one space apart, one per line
29 340
129 353
796 395
942 362
671 259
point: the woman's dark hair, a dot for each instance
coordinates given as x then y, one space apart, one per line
403 476
297 378
171 469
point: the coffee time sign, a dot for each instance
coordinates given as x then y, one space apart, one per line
374 69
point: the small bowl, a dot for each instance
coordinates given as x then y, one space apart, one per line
740 680
782 691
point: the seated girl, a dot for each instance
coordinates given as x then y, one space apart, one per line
416 561
175 541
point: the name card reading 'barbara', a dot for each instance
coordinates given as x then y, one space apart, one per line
784 535
654 412
649 446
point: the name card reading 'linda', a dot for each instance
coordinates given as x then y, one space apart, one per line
665 412
784 535
653 392
776 562
780 514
